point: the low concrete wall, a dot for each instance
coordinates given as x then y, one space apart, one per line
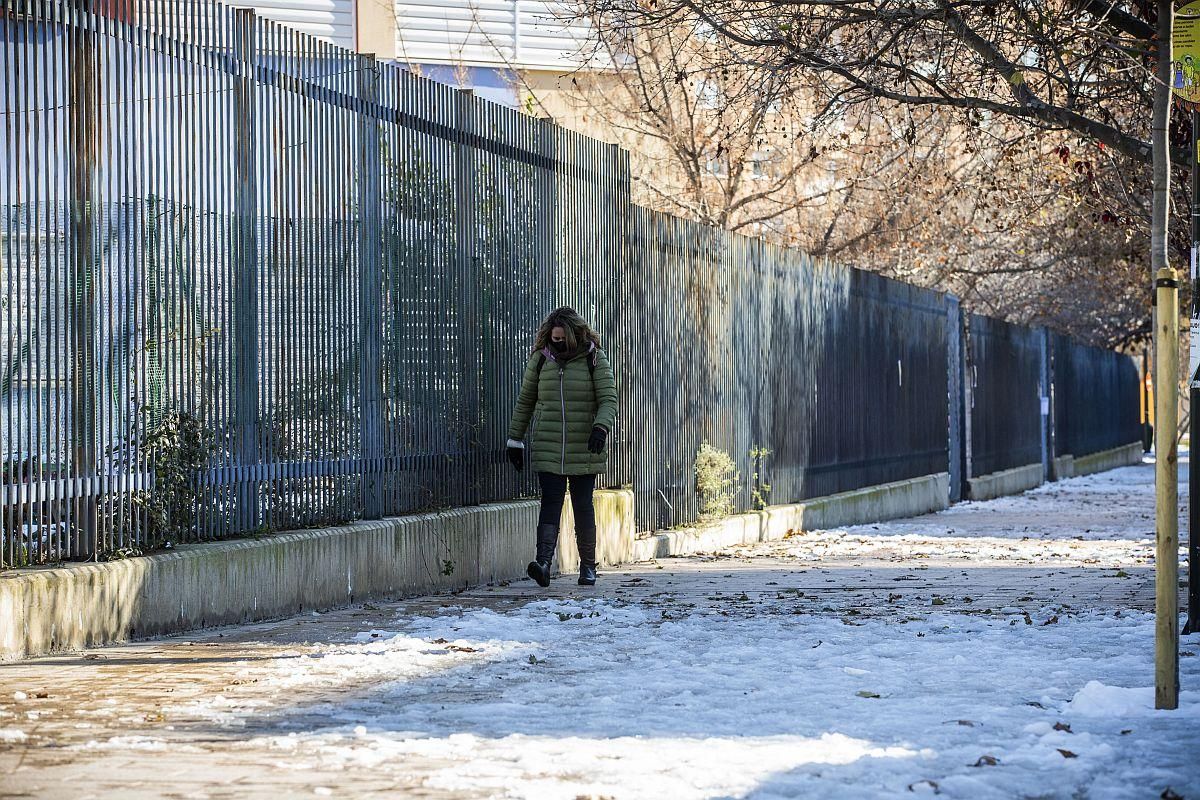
1122 456
220 583
615 532
1062 467
873 504
246 580
1009 481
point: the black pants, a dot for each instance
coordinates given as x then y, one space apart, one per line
554 491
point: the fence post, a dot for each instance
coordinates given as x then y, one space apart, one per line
473 467
1045 381
968 404
954 375
245 282
370 292
82 281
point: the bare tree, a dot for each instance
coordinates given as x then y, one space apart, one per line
1032 223
1078 65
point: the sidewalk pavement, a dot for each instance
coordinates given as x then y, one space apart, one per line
1001 648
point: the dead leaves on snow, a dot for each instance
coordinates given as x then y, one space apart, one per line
455 648
912 787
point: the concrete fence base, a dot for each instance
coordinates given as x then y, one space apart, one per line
220 583
1070 466
1008 481
872 504
1020 479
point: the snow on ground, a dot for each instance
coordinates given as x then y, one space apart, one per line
580 698
1104 520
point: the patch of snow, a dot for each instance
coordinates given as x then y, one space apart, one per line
1099 700
12 735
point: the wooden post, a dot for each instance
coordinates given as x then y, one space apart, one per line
1166 379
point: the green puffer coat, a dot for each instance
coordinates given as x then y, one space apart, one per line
559 407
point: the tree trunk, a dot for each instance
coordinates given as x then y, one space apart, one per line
1161 208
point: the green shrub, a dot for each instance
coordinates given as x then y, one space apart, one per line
716 482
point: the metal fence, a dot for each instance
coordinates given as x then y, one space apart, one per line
1004 387
1081 374
1033 394
251 281
815 379
224 240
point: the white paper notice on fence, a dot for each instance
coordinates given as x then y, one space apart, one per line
1194 354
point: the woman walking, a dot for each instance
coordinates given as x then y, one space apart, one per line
567 404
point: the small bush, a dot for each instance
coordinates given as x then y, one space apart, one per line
175 446
760 490
716 482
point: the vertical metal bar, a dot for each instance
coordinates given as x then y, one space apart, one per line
109 406
14 138
467 266
82 282
245 318
1193 592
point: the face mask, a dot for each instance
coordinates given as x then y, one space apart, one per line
559 347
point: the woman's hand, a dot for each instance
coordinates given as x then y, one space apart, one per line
516 454
596 440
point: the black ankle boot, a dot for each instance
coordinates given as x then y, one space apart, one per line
586 541
539 568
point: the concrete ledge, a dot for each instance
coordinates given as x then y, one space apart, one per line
1121 456
872 504
1008 481
1062 467
615 533
220 583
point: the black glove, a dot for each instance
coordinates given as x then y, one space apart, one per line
516 457
596 440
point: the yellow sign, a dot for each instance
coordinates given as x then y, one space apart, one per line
1185 53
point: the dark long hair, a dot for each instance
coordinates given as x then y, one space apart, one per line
576 327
